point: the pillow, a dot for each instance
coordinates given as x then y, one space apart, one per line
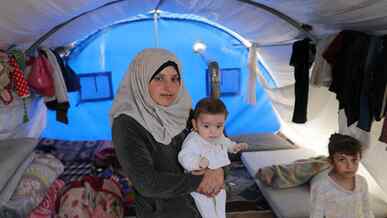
34 184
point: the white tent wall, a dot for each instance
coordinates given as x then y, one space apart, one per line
322 122
11 118
23 22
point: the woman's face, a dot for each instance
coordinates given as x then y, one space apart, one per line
165 86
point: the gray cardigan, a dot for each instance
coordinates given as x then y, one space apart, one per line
161 186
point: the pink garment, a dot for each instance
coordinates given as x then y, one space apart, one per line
46 208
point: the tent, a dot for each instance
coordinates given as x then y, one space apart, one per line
265 29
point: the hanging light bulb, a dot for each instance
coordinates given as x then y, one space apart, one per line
199 47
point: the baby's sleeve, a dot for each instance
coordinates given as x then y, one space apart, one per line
229 144
189 156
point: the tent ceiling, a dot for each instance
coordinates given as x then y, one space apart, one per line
24 21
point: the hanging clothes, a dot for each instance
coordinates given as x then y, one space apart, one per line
321 74
379 81
383 136
20 84
70 77
59 102
347 55
301 59
5 81
366 115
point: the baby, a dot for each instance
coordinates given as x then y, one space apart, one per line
207 147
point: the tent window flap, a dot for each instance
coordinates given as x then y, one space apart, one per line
95 87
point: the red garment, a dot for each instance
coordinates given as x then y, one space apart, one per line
17 78
46 208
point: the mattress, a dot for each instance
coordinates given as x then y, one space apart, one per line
292 202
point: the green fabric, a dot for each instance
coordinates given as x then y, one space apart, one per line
19 57
162 189
293 174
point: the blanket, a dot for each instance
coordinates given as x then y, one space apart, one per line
293 174
15 155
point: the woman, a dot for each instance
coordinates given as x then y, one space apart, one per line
149 116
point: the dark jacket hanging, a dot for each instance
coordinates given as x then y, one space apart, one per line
71 80
302 58
347 54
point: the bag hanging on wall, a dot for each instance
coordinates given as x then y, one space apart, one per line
40 78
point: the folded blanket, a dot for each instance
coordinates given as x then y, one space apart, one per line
14 180
13 152
293 174
33 186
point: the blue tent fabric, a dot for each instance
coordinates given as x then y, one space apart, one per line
113 49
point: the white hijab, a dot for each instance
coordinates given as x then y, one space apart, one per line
133 97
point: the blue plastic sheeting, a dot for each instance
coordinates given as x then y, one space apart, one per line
113 49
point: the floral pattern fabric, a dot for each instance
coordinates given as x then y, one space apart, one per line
93 197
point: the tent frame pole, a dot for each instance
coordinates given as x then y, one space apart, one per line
299 26
37 43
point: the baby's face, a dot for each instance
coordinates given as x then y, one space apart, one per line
209 126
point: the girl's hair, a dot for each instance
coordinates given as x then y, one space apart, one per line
344 144
209 105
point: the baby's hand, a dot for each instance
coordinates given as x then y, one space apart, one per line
203 163
240 146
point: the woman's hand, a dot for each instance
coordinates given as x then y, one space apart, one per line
212 182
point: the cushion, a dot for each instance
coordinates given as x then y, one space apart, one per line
263 141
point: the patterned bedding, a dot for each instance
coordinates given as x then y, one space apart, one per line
78 159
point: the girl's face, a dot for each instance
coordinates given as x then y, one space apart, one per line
165 86
209 126
345 165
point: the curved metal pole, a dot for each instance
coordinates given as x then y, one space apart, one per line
256 4
283 16
159 5
57 27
